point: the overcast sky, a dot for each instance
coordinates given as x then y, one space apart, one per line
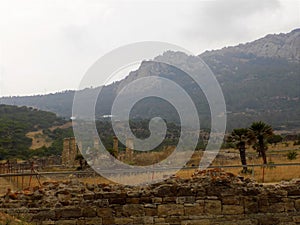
47 45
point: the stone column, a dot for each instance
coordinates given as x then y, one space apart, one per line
96 143
73 151
65 152
129 149
115 147
95 153
79 145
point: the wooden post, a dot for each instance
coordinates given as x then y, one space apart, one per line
263 174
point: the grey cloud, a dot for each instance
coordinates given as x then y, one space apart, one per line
228 20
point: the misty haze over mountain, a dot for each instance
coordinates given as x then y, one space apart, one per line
260 81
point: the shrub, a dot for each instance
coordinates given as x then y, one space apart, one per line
292 155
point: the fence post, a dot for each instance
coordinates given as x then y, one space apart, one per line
263 174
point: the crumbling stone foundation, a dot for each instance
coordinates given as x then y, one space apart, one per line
209 198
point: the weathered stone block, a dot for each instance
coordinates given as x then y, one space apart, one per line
294 191
133 200
263 205
89 212
151 211
143 220
122 221
196 222
297 204
44 215
251 205
185 199
148 220
133 210
89 196
108 221
232 209
80 222
245 222
288 223
212 206
66 222
118 201
169 199
174 220
170 210
156 200
165 190
93 221
69 213
289 205
296 219
268 220
101 203
159 220
145 200
277 207
201 192
185 191
150 206
231 200
105 212
194 209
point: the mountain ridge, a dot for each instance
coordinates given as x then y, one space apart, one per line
257 85
282 45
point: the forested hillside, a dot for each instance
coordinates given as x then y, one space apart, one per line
16 122
260 81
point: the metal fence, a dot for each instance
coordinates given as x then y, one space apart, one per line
22 174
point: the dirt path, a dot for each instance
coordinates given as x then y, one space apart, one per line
39 139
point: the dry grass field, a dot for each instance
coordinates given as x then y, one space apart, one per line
39 139
227 157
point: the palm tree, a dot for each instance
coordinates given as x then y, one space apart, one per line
258 133
240 137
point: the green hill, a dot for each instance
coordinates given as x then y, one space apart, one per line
16 122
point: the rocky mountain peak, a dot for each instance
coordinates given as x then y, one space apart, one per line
286 46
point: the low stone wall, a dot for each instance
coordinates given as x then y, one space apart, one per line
210 197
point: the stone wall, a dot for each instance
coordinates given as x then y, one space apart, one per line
209 198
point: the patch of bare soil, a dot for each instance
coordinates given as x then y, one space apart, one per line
39 139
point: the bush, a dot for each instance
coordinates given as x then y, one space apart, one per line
292 155
297 142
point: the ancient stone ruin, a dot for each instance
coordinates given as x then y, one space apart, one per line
210 197
115 146
69 153
129 149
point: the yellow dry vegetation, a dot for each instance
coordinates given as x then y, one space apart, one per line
269 174
39 139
